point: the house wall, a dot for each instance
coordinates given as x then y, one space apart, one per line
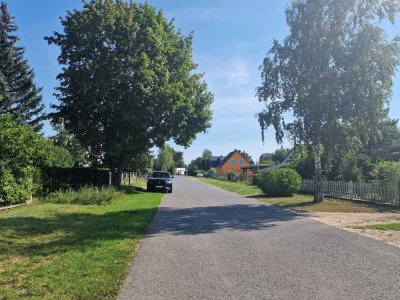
227 167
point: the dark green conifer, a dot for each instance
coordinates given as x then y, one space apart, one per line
21 97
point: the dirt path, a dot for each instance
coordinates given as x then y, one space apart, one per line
348 221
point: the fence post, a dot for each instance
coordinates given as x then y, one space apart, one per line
109 178
398 189
129 178
351 192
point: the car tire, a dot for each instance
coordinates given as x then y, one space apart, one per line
149 189
170 191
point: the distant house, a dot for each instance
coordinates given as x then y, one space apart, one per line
233 162
180 171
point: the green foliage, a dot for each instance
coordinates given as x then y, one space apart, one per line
178 159
196 165
212 171
165 159
302 161
320 72
333 73
68 141
279 182
13 190
129 81
387 172
280 155
57 157
21 97
265 159
84 196
206 154
54 179
248 157
23 151
386 144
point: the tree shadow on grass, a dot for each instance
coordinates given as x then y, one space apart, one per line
43 236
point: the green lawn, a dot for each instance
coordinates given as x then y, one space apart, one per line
60 251
305 203
243 189
302 203
393 226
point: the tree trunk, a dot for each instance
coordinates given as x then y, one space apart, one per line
318 193
118 177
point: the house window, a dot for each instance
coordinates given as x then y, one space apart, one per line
241 162
232 162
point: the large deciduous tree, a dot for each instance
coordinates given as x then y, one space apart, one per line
333 73
21 97
128 81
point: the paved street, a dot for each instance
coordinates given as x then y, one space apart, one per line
206 243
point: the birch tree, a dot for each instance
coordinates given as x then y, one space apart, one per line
328 84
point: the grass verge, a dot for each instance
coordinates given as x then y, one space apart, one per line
60 251
393 226
303 203
240 188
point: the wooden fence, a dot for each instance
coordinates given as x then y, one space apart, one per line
372 192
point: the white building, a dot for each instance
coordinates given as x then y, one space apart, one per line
180 171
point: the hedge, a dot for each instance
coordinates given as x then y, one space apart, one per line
55 179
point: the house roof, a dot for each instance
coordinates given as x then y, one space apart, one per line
215 161
226 158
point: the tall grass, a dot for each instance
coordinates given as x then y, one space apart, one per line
84 196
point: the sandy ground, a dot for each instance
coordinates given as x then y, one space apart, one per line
348 221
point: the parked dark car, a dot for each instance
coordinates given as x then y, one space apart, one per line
160 181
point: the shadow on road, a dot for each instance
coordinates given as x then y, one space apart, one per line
202 220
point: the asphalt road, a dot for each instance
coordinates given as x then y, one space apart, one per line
206 243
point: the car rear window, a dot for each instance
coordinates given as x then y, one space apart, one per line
161 175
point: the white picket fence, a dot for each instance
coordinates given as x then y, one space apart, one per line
372 192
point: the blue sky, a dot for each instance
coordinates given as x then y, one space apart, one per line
231 39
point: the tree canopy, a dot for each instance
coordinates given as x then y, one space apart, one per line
333 73
128 81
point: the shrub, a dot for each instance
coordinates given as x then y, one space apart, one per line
23 151
254 181
13 190
279 182
84 196
387 172
232 176
212 171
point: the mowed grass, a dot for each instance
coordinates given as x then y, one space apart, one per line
63 251
240 188
392 226
303 203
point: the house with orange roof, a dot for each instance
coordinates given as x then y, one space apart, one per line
233 162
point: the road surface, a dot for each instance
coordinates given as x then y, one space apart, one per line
206 243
